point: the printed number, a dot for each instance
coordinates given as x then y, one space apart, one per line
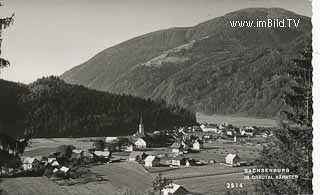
233 185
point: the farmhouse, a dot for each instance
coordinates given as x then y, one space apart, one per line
136 156
138 142
50 160
29 163
233 160
180 161
55 163
197 145
111 139
178 147
102 154
77 154
64 169
248 131
151 161
209 128
174 189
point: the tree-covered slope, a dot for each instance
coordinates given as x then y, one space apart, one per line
52 108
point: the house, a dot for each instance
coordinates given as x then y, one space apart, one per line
197 145
209 128
138 143
102 154
111 139
64 169
180 161
50 160
151 161
178 147
248 131
128 148
196 129
30 163
174 189
77 154
233 160
230 132
55 163
136 156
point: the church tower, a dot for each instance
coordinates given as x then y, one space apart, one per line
141 127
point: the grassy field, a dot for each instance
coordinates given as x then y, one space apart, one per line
236 120
117 176
218 151
44 146
216 184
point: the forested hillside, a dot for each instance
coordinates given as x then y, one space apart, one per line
51 108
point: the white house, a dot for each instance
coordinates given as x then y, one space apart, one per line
209 128
197 145
248 131
55 163
29 163
102 154
50 160
180 161
233 160
139 143
64 169
111 139
151 161
174 189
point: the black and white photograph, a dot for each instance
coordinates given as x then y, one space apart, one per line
156 97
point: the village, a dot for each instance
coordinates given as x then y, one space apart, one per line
186 152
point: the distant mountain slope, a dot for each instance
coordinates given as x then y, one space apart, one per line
210 67
51 108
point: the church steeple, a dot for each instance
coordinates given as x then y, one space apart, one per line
141 127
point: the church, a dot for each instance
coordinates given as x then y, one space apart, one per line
140 132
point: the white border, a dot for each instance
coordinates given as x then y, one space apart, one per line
316 95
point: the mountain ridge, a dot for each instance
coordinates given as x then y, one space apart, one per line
174 64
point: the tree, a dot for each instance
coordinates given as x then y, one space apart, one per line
160 183
99 145
291 146
4 23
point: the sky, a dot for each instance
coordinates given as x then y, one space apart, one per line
50 37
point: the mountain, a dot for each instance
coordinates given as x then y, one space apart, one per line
51 108
211 67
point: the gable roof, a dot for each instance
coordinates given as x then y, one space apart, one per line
29 160
150 158
64 169
102 153
77 151
172 188
231 156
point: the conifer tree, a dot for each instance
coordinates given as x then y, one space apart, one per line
4 23
291 146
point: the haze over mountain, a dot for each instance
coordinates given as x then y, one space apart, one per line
210 67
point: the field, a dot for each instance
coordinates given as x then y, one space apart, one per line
236 120
44 146
218 151
117 176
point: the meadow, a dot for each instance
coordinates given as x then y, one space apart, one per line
236 120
